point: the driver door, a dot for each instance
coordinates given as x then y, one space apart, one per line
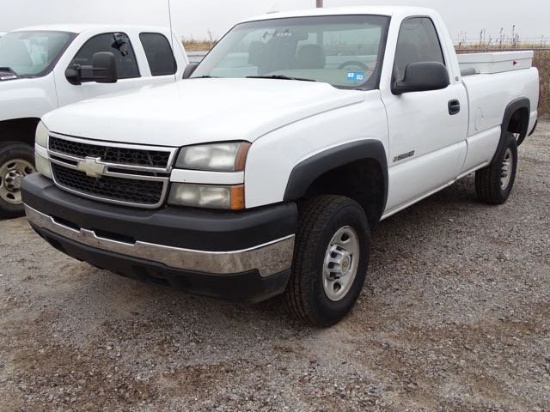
427 138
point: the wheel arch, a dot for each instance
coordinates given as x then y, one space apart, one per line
358 170
19 130
516 118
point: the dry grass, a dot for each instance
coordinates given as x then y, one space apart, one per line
541 61
198 45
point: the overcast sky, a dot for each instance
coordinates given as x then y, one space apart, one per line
200 19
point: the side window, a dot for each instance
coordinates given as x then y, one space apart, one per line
116 43
159 54
417 42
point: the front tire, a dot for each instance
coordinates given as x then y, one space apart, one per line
494 182
330 260
16 162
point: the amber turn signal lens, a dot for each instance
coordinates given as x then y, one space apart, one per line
237 197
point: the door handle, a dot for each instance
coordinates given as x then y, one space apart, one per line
454 107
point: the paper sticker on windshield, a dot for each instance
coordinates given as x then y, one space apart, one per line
356 76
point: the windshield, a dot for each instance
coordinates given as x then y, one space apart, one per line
344 51
32 53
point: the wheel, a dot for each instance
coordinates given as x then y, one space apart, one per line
353 63
16 161
330 260
494 182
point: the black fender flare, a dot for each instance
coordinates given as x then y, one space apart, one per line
307 171
19 130
511 108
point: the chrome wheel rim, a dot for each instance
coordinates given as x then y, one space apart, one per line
11 177
341 263
506 169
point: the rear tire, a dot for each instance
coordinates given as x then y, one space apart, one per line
16 161
330 260
494 182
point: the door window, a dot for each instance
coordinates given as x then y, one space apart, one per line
417 42
159 54
116 43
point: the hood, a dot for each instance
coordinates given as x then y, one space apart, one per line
199 110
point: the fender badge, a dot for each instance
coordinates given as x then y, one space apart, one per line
92 166
403 156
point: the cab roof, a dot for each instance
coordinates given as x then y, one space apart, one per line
356 10
83 28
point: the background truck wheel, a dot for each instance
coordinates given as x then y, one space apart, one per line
16 161
494 182
330 260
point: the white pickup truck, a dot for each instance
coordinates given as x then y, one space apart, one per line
264 170
43 68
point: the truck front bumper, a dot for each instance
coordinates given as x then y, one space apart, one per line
242 256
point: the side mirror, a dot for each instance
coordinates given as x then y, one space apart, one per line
422 77
189 69
104 68
73 74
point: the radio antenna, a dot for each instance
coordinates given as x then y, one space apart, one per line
172 36
170 20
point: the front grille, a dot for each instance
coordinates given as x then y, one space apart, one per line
132 175
113 188
120 155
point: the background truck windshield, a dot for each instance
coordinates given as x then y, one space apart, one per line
32 53
345 51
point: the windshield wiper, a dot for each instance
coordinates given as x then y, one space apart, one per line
280 77
7 73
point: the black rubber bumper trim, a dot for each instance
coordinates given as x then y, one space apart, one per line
247 286
179 227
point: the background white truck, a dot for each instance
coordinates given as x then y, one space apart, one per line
264 171
43 68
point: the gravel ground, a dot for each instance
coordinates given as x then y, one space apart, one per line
454 317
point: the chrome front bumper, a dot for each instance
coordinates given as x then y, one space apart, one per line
268 259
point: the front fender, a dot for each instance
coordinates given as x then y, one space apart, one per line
281 164
27 98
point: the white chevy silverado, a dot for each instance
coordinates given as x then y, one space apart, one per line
263 171
43 68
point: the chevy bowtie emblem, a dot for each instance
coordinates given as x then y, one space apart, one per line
92 166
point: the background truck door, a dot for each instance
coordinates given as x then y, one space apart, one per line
129 75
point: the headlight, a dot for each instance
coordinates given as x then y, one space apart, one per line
41 150
42 135
208 196
43 165
220 157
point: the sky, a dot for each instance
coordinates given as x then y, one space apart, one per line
210 19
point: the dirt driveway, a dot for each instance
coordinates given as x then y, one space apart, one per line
455 317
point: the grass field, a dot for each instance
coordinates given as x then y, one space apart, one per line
541 61
198 45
